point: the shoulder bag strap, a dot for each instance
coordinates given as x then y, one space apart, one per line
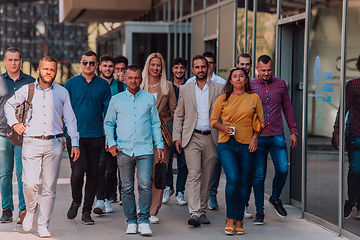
28 104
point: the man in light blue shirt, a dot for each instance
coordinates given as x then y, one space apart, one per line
42 143
133 120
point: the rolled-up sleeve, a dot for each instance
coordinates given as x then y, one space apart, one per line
155 127
109 124
18 98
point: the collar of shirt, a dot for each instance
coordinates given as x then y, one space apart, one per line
172 80
205 87
22 75
129 94
268 82
82 77
37 85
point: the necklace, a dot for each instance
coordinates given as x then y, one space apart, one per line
152 86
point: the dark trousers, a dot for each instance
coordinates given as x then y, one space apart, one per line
88 162
107 175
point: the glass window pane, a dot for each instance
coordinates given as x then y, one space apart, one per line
323 101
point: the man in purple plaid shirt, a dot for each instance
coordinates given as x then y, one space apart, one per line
275 98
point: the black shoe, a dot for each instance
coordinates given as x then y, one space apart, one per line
21 216
72 212
86 219
194 221
279 209
203 219
347 209
259 218
6 216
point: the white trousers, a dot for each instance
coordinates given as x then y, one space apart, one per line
41 155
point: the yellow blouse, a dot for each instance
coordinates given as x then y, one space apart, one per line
238 112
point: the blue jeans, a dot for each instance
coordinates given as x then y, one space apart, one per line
237 162
276 145
144 166
9 153
181 170
353 180
215 180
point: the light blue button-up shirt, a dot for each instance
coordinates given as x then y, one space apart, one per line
136 123
49 106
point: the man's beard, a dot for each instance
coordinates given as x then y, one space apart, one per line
203 78
44 81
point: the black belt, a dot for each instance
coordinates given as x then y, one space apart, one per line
203 132
48 137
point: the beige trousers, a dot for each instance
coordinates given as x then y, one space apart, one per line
200 155
41 156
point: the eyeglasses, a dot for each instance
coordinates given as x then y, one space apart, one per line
211 62
91 63
236 68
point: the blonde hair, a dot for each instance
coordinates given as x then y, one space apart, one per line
145 74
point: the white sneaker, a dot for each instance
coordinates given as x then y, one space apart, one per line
153 219
43 232
167 194
180 200
247 214
28 221
99 207
144 229
358 216
108 208
131 228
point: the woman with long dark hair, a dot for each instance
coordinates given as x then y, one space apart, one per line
242 122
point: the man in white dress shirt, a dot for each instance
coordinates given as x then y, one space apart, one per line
211 59
192 131
42 142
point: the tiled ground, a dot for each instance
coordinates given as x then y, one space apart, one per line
173 222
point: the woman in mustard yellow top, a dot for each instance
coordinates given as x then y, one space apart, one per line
242 122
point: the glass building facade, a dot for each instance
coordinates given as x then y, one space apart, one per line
314 45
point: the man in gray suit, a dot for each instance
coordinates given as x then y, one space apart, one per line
192 131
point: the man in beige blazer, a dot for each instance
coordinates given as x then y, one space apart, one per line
192 132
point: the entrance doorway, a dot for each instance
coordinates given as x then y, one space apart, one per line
291 65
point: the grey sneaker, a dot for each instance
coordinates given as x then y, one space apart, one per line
357 217
108 208
247 214
203 219
167 194
213 205
180 200
99 207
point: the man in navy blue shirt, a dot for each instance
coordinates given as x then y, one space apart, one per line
10 82
179 68
90 96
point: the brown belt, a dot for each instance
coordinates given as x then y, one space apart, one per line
48 137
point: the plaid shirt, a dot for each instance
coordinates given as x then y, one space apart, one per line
352 100
274 96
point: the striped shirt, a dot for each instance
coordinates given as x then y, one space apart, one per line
352 100
275 97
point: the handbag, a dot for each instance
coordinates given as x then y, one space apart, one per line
160 175
166 133
256 123
21 112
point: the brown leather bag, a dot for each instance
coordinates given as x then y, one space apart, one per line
21 114
166 133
